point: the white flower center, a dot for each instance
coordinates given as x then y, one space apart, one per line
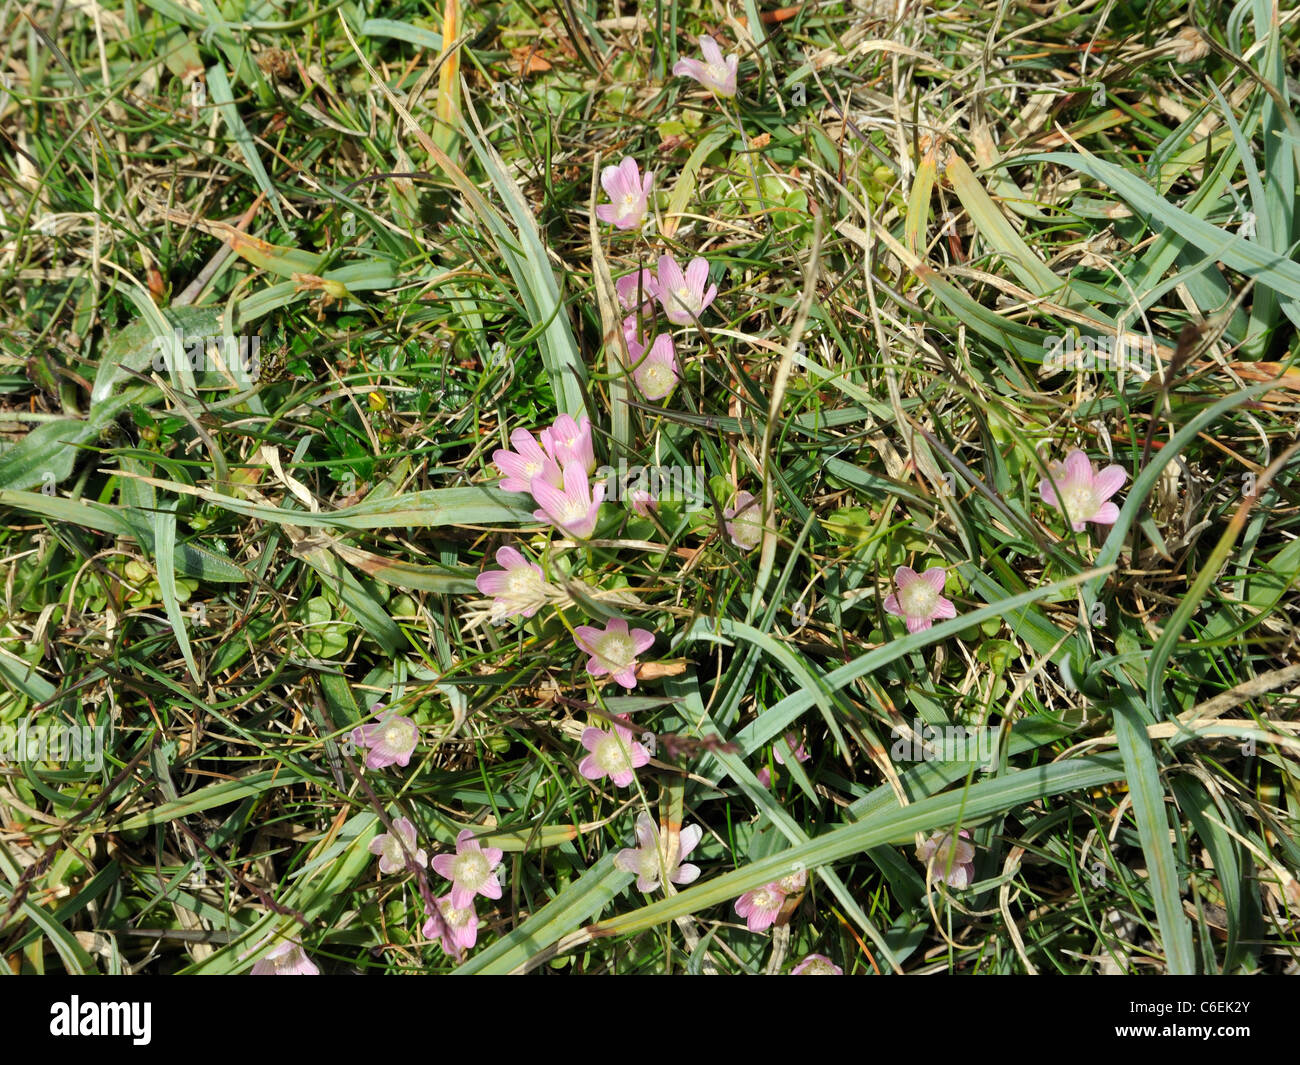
1081 502
457 918
717 73
688 300
532 467
524 583
399 735
615 652
765 900
471 869
573 511
613 756
918 599
656 378
819 967
629 205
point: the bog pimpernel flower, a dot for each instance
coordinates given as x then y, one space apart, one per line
715 73
655 372
569 440
919 599
521 465
651 860
816 965
683 296
287 958
392 859
635 290
1081 492
744 521
574 508
457 927
613 649
470 870
760 906
518 589
614 754
955 866
628 194
389 742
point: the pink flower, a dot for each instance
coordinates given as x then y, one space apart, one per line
655 372
919 600
816 965
519 589
683 295
456 926
469 870
570 441
715 73
651 861
286 959
760 906
627 193
635 291
744 521
521 465
955 866
796 746
641 501
392 858
390 742
1082 493
575 508
613 649
613 754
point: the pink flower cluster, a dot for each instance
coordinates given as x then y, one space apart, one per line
556 472
471 871
761 906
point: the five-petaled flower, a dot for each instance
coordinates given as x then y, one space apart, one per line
469 870
285 959
919 599
816 965
955 866
654 370
1082 492
456 926
614 754
651 860
389 742
761 906
715 73
519 589
574 508
392 858
613 649
744 520
521 465
684 295
628 194
569 440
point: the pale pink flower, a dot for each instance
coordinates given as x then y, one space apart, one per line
650 859
614 754
816 965
573 509
287 958
1082 492
955 866
392 858
655 370
635 291
457 927
613 649
760 906
715 73
390 742
519 589
683 296
521 465
744 521
469 870
797 748
641 501
919 600
628 195
570 441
